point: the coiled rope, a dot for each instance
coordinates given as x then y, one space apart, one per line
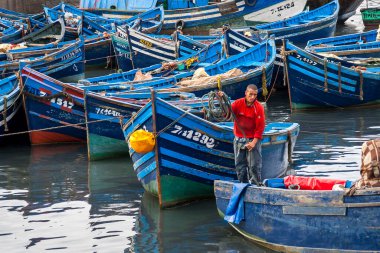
219 111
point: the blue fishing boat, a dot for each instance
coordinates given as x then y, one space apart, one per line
10 104
254 65
305 26
54 110
104 113
190 153
17 16
232 75
98 50
50 33
290 220
137 50
67 63
10 31
149 22
199 16
316 82
358 45
104 135
346 10
348 39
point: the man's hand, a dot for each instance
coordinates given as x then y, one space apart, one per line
220 93
250 145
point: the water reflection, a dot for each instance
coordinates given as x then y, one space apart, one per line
115 196
54 199
330 140
193 228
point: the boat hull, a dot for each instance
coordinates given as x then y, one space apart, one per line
315 82
190 153
328 221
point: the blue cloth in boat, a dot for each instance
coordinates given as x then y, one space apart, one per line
274 183
235 208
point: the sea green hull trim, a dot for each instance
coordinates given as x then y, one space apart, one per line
100 147
151 188
176 190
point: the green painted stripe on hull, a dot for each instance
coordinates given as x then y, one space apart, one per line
151 188
101 147
176 190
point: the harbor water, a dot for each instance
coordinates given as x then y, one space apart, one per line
53 199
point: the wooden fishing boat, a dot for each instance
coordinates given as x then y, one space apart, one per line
358 45
343 40
33 20
254 65
190 153
137 50
72 26
371 17
50 33
104 113
56 112
199 17
66 63
232 75
154 227
317 23
315 82
54 107
10 104
149 22
347 7
10 31
98 50
289 220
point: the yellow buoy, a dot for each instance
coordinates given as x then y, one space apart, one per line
142 141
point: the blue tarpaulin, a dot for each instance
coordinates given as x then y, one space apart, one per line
235 208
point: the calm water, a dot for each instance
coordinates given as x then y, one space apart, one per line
53 199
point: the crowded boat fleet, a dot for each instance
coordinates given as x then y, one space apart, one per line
178 67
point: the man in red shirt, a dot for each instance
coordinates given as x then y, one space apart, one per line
249 126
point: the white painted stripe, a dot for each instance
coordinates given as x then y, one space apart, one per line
169 46
154 56
237 48
241 41
167 21
152 50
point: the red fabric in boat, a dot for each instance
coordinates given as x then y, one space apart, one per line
313 183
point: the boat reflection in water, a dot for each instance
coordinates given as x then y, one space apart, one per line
192 228
114 199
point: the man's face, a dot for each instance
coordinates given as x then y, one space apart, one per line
250 95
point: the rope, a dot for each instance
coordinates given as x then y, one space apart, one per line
284 54
5 114
325 73
361 84
172 123
339 76
290 147
273 84
264 82
221 113
59 127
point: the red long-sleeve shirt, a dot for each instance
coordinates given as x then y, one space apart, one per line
251 119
